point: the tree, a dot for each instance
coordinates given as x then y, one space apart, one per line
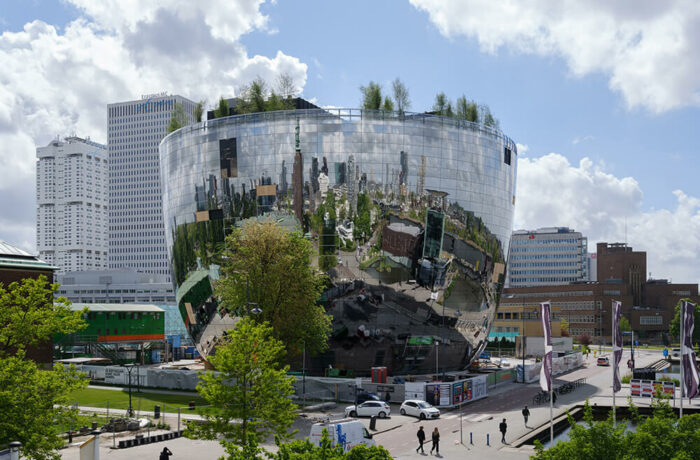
222 109
564 323
625 325
401 97
273 267
305 450
461 107
371 96
29 315
177 118
286 87
388 104
441 103
660 436
33 402
585 339
676 322
250 391
198 111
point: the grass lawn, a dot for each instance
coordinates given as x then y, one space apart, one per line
94 397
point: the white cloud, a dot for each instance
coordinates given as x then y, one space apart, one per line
553 192
522 149
647 48
579 139
59 81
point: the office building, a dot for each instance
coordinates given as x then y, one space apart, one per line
547 257
648 304
71 189
446 214
136 232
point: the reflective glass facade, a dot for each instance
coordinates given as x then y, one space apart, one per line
423 215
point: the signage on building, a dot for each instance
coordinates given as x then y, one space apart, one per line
149 105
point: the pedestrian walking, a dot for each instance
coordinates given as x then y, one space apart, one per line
554 397
436 441
526 414
503 427
421 440
165 454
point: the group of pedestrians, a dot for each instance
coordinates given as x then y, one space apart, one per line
502 427
421 440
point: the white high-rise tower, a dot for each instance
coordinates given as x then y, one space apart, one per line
136 232
71 189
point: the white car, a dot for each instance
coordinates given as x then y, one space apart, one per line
369 409
676 353
420 409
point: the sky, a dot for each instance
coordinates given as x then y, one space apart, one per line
603 98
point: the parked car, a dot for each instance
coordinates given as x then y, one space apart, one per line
419 408
676 353
350 432
362 397
369 409
603 361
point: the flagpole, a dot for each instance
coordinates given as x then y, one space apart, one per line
612 342
551 388
682 352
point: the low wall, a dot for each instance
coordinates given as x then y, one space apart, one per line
559 366
501 376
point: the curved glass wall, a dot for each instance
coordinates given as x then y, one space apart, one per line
411 215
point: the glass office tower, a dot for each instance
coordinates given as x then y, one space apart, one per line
424 211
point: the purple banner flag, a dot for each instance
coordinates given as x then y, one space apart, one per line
617 345
690 369
546 371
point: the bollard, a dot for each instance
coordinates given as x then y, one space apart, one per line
373 423
14 450
471 439
487 439
96 445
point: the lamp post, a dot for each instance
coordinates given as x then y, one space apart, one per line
129 368
522 341
303 372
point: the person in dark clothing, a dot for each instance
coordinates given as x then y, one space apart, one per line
526 414
554 397
503 427
436 441
165 454
421 439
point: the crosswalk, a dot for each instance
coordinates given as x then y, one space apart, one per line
473 418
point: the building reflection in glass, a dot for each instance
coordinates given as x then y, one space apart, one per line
411 215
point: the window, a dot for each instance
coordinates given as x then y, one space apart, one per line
506 155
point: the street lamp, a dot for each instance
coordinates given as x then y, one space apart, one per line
129 368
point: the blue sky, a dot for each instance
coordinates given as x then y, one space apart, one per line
603 99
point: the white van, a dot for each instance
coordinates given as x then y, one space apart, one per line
346 432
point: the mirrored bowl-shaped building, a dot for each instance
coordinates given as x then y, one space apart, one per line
422 211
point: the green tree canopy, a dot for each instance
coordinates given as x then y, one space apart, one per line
33 402
625 325
441 104
274 268
371 96
222 109
198 111
177 118
250 391
676 322
659 437
388 104
305 450
401 97
29 315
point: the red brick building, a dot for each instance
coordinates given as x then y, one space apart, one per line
649 305
16 265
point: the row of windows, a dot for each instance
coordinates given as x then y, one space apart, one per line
576 249
546 241
574 256
544 279
544 264
546 272
651 320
